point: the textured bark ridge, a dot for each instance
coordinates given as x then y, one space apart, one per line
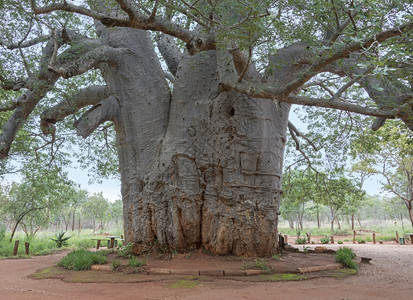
217 181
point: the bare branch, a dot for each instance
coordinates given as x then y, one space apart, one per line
299 134
139 21
298 147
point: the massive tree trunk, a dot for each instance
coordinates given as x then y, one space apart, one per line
199 167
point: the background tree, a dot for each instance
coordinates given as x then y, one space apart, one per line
97 208
200 156
31 202
116 211
389 152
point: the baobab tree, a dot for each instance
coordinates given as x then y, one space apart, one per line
200 139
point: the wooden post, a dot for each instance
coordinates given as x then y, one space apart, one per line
112 243
397 237
16 247
26 246
286 239
98 245
332 239
308 234
374 238
354 236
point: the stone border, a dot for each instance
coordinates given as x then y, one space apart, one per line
220 273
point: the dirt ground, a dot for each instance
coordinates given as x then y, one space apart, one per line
390 275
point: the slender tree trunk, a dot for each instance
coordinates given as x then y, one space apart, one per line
333 218
338 223
318 218
291 223
409 208
15 228
352 222
73 219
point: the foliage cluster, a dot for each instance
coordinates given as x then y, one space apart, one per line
346 257
82 259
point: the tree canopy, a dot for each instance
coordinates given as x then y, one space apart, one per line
353 55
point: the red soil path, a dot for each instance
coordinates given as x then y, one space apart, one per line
390 276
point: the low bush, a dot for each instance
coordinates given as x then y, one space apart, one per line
82 259
116 264
325 240
301 240
346 257
340 242
61 239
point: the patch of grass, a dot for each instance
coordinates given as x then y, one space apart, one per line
276 257
346 257
340 242
283 277
48 272
134 262
188 284
116 264
257 264
343 273
82 259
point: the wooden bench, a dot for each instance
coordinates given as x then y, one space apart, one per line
99 241
111 240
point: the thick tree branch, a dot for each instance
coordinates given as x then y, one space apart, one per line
169 51
87 96
106 110
265 92
11 105
85 62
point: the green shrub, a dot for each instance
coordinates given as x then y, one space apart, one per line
340 242
134 262
301 240
60 239
325 240
82 259
346 257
